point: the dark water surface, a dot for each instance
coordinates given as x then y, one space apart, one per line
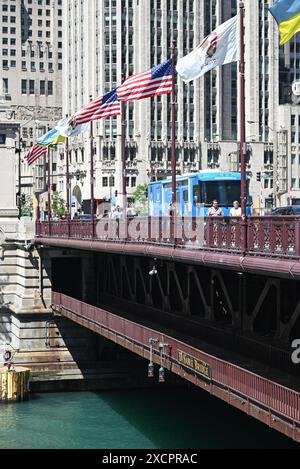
149 419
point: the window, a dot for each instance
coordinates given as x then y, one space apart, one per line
133 182
24 87
31 86
42 87
50 88
105 182
5 85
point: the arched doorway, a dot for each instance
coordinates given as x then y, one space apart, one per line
76 200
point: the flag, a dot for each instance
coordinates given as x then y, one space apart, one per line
51 138
67 128
35 153
287 15
154 82
106 106
219 48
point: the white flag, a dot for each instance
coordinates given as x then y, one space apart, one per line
219 48
66 128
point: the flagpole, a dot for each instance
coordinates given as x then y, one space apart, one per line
49 188
123 145
68 205
173 143
242 124
92 176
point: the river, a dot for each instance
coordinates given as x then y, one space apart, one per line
151 419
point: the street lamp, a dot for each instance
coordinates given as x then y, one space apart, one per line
19 152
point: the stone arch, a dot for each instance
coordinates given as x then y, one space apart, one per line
76 199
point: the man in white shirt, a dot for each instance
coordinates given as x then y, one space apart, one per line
236 210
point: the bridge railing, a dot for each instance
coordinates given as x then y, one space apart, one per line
269 394
276 236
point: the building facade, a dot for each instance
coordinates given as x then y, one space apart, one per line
31 75
106 40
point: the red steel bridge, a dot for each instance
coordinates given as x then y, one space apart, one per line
215 301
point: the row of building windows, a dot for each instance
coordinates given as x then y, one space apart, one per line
110 181
41 66
12 8
31 87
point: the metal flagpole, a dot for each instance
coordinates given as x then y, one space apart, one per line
92 177
173 164
242 125
67 178
123 144
49 188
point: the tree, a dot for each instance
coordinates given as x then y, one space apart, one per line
27 207
58 205
139 197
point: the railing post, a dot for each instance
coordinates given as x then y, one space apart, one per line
244 232
297 238
69 227
149 229
93 228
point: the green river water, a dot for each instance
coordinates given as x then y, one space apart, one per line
149 419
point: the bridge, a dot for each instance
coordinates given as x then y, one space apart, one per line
215 301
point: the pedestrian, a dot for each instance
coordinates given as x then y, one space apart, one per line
215 210
236 210
117 213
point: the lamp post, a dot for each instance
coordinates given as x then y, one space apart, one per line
19 152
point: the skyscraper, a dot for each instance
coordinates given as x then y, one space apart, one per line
31 71
107 40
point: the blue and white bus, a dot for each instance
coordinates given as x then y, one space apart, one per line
195 193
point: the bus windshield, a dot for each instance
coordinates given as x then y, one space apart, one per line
225 192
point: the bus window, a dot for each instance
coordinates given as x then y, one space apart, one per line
225 192
185 201
196 195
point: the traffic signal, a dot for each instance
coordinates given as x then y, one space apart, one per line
116 193
258 177
23 199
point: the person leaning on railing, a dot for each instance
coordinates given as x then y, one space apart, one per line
236 210
215 210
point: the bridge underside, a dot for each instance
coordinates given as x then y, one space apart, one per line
193 360
247 315
255 315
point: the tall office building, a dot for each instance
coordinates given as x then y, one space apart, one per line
31 74
107 39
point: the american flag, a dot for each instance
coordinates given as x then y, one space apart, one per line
106 106
154 82
34 154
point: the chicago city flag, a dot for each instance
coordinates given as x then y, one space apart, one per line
219 48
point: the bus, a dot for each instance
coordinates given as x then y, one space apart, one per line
195 193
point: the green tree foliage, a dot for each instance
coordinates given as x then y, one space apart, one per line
27 208
59 207
139 197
